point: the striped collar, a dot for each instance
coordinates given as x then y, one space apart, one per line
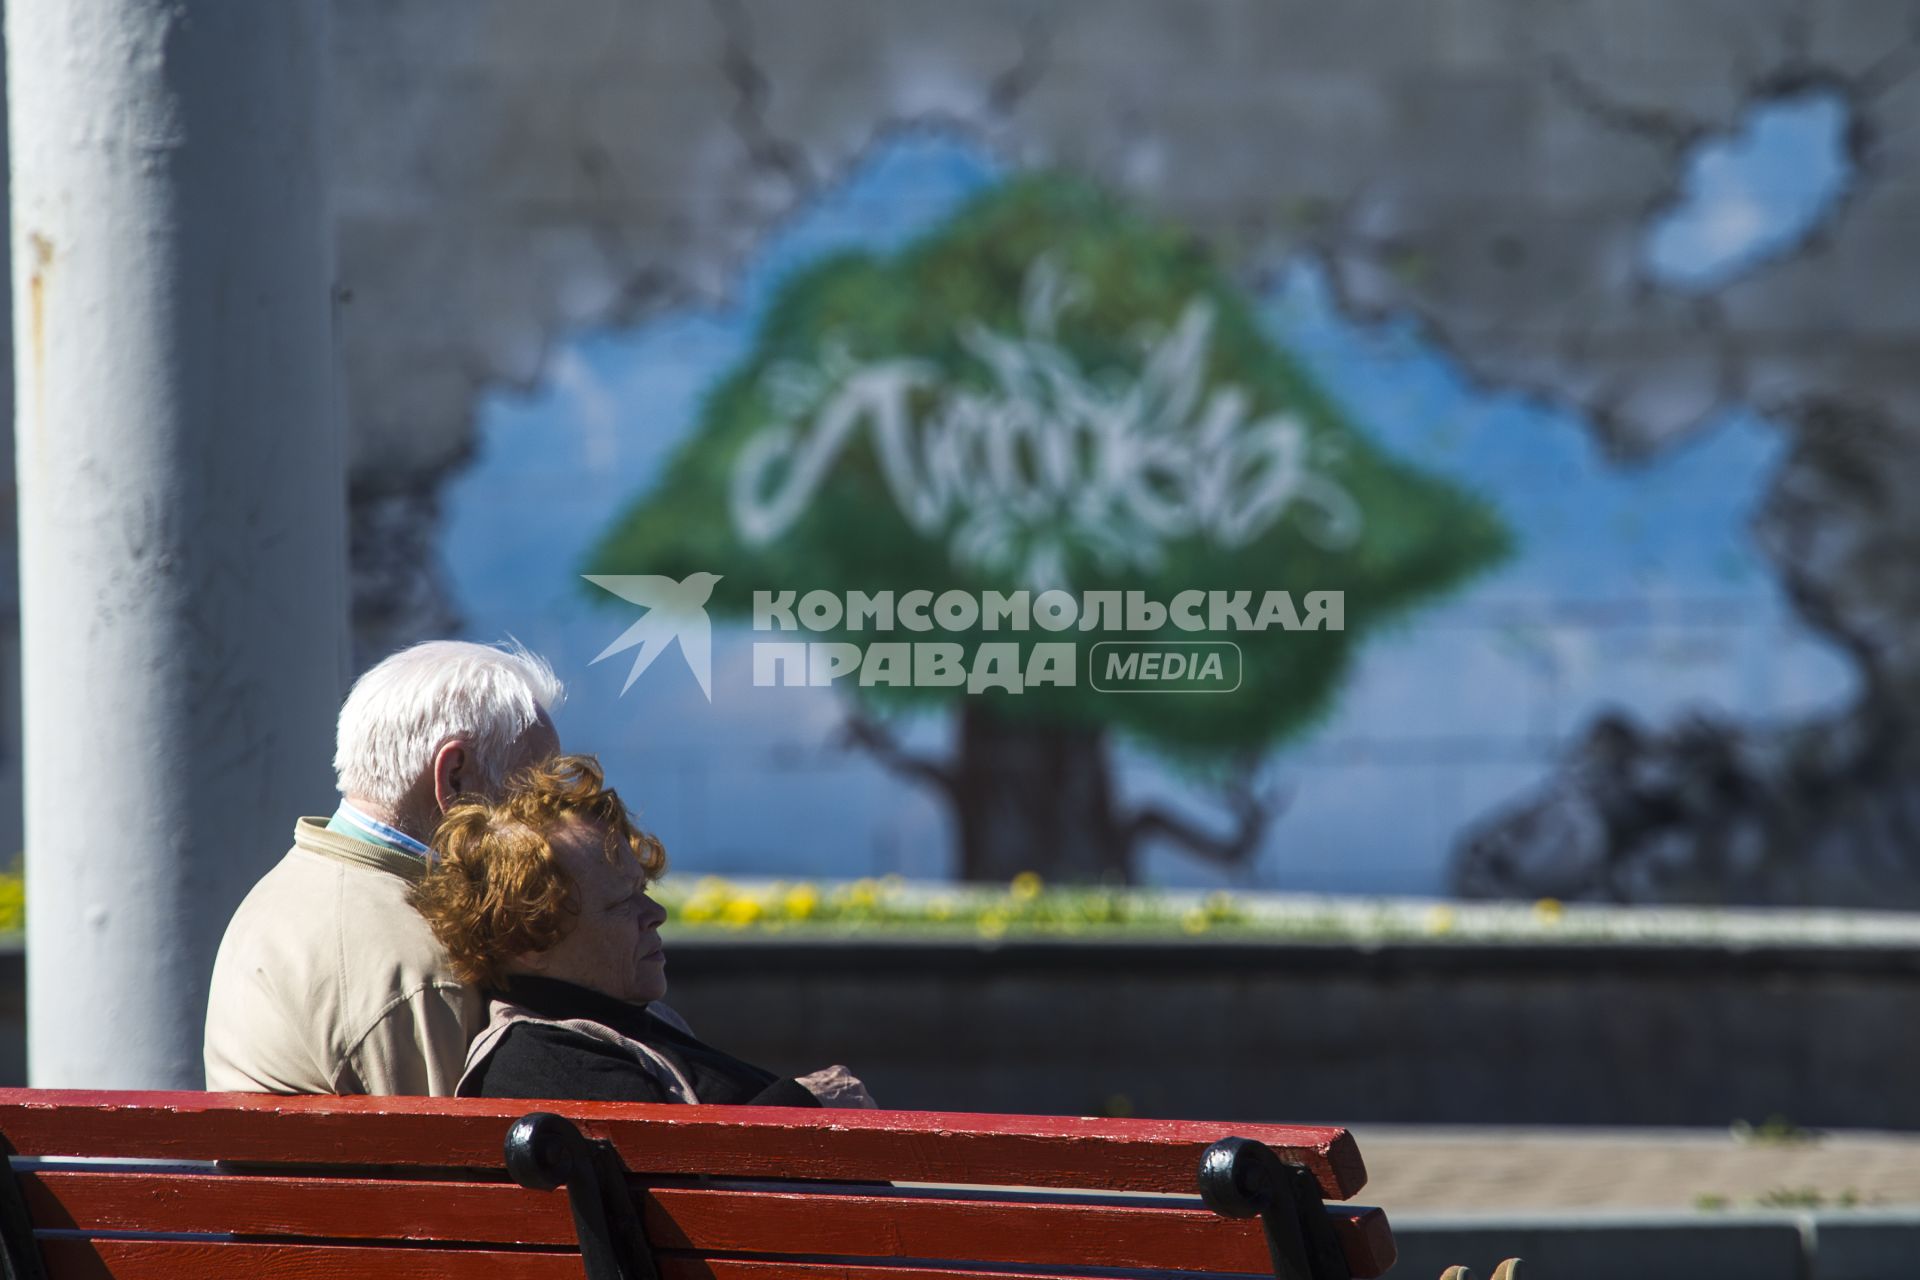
351 821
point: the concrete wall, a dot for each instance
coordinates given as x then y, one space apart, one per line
513 174
1850 1245
1405 1032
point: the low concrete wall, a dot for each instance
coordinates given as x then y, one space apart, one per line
13 1012
1403 1033
1407 1032
1840 1245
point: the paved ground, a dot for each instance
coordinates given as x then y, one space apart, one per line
1471 1170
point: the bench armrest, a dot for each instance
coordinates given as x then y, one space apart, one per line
1240 1178
546 1151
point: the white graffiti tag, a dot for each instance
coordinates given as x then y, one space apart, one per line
1045 458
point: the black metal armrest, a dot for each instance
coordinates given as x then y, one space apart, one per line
546 1151
1240 1178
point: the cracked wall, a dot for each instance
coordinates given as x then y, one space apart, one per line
511 172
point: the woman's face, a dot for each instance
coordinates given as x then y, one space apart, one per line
613 945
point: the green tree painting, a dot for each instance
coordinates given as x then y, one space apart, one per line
1053 391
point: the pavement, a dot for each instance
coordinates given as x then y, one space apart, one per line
1443 1170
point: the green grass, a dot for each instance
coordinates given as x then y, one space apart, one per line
712 906
1774 1131
1025 905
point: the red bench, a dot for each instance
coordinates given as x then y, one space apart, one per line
412 1188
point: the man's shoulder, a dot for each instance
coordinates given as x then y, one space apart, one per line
322 949
308 885
347 919
293 889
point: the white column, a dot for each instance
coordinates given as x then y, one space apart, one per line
182 545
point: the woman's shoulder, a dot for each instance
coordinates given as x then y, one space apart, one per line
537 1039
552 1060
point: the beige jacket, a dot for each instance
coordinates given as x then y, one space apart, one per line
329 982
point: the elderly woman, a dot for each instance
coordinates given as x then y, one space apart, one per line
540 898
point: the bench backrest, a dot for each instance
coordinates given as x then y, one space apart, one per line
398 1188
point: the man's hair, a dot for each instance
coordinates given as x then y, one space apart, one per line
411 704
496 889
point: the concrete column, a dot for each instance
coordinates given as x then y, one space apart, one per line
182 545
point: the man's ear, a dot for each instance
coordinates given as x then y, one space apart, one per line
451 765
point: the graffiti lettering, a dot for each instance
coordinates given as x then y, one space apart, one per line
1038 457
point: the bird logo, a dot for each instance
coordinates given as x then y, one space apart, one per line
674 611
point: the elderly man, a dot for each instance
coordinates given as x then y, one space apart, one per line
327 981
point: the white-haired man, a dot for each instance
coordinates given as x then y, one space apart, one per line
327 980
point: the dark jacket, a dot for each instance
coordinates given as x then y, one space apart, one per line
534 1060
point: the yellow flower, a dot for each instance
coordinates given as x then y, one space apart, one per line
801 901
705 902
1196 920
1025 887
740 913
940 908
992 924
13 902
864 893
1549 909
1221 907
1440 920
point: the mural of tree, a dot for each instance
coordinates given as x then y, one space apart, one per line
1053 391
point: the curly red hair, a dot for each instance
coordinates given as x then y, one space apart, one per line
496 889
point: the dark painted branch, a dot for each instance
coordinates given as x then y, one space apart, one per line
878 741
1253 811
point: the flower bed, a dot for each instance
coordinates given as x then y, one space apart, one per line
713 906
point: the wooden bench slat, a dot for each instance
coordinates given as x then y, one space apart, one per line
345 1208
739 1141
173 1260
681 1268
702 1220
222 1260
1146 1236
